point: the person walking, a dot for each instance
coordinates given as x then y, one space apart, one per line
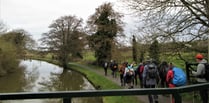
199 74
140 73
129 76
135 67
163 69
121 71
169 78
105 66
114 68
150 78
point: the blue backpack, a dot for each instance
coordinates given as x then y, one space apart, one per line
179 78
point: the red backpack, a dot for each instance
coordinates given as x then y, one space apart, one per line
141 69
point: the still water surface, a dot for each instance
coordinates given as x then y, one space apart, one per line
39 76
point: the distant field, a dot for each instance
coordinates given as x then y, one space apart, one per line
127 56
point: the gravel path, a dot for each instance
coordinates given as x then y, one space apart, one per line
142 98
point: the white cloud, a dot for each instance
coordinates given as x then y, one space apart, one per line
36 15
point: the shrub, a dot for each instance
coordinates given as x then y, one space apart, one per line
8 58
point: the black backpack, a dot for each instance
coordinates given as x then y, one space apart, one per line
206 75
151 72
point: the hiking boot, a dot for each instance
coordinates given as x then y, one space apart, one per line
156 101
131 87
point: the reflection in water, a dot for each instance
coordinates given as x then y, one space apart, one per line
42 76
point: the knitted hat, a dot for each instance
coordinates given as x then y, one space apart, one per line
199 56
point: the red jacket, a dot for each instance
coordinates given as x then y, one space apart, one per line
169 78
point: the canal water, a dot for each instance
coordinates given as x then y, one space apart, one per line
40 76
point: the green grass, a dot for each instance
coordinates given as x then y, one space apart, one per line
95 78
105 84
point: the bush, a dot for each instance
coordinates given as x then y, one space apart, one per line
8 58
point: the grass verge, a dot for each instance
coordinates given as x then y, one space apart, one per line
105 84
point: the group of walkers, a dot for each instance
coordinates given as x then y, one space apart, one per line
142 74
149 74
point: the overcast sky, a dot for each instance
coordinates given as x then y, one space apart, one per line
35 16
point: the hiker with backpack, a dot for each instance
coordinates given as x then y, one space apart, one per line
169 78
201 77
163 69
121 72
114 68
175 77
135 67
140 72
105 66
129 76
150 79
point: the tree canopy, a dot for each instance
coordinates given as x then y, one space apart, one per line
65 38
12 48
104 26
178 21
154 51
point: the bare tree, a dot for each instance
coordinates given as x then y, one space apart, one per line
172 20
65 38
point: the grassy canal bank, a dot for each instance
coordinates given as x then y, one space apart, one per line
105 84
99 80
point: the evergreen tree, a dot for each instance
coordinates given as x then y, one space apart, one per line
105 24
154 51
134 49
